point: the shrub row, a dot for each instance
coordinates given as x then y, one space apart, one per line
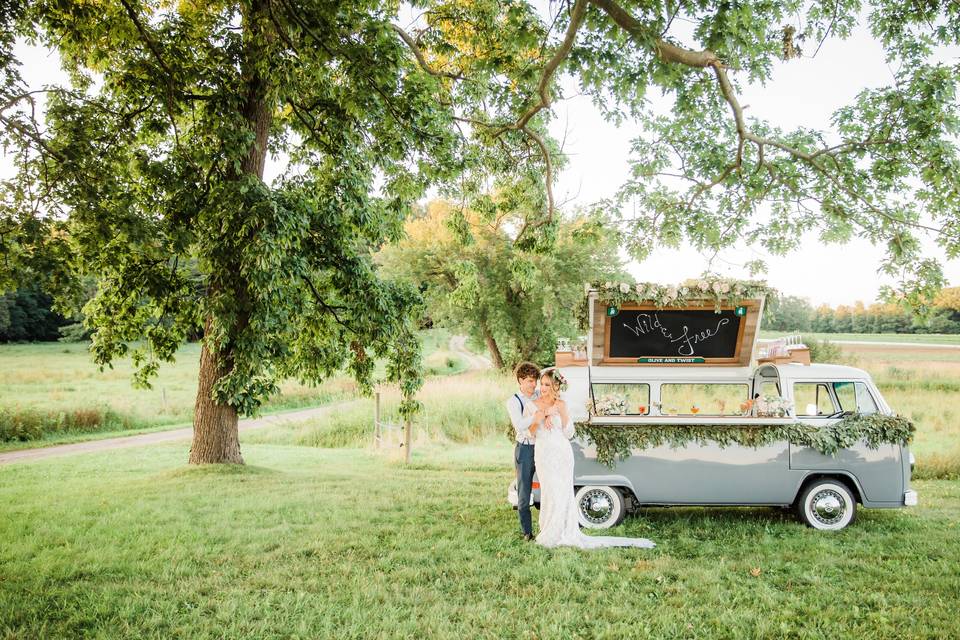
31 424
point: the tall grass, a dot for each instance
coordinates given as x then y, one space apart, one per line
50 390
463 409
468 409
30 424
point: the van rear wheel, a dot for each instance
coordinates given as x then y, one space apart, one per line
827 505
600 507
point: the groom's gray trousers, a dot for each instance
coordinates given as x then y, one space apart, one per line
523 456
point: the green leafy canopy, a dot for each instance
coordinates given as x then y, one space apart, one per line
705 172
147 172
514 298
148 168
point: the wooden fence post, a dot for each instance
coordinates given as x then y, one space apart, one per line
377 434
407 438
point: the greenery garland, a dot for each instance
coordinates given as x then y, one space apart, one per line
614 442
721 291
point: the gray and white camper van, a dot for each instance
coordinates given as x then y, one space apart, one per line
824 489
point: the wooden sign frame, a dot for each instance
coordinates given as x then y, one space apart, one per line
751 318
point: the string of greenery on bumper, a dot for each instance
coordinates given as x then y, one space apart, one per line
614 442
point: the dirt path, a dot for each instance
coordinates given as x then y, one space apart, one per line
161 436
458 344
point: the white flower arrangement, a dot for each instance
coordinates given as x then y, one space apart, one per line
720 291
773 407
609 405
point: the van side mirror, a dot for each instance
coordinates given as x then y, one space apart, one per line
811 410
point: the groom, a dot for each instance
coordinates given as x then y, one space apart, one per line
523 412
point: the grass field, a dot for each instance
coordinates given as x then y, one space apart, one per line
51 380
903 338
319 543
920 383
320 536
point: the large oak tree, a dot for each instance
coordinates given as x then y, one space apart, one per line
153 157
148 172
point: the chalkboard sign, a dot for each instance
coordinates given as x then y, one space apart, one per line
676 335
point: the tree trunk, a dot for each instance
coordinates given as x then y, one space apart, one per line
216 437
527 350
492 347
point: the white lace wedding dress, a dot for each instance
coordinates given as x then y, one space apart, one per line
559 525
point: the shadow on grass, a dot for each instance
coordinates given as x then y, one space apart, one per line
760 516
456 467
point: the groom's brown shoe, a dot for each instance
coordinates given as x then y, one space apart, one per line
527 537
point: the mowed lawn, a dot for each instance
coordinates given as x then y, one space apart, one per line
320 543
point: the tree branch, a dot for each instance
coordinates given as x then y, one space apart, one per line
147 40
669 52
418 54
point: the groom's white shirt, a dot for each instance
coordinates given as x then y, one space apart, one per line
522 420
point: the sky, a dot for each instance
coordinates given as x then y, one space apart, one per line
803 92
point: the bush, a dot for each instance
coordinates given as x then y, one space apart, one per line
75 332
28 424
824 351
938 466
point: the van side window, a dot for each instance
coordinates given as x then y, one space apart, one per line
711 399
769 388
813 399
628 399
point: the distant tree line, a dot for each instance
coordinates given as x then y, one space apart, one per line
795 314
26 316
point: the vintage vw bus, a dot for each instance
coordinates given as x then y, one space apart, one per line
614 392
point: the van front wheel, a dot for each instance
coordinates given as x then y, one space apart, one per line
600 507
827 504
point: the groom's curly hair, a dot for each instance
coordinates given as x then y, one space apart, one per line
526 370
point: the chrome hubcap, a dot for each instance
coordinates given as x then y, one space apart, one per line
596 506
828 506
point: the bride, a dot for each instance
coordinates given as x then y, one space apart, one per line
553 456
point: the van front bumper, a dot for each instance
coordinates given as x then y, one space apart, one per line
910 498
